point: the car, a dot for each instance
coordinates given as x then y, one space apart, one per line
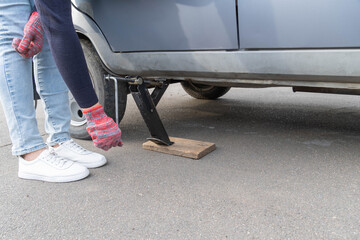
212 45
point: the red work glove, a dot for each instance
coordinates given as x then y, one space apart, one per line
104 132
32 42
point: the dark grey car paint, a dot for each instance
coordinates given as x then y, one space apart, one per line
299 23
165 25
332 68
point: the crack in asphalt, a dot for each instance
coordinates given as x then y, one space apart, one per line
6 145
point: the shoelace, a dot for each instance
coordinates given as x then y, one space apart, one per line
54 159
76 147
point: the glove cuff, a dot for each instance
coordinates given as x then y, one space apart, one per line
88 110
34 14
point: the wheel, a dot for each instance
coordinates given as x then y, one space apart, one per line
104 89
201 91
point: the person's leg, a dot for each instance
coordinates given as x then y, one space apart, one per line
16 92
57 23
54 94
16 95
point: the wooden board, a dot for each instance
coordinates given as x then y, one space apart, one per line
183 147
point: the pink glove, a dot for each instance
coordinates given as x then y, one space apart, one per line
104 132
32 42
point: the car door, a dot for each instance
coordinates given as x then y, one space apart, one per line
165 25
271 24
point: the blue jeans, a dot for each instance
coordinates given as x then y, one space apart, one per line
16 89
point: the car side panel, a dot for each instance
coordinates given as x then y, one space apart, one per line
269 24
336 68
165 25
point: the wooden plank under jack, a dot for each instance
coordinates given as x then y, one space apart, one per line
182 147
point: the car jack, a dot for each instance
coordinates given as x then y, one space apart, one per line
146 104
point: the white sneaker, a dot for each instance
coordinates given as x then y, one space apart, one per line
50 167
73 151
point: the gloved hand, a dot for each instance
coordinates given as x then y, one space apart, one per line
104 132
32 42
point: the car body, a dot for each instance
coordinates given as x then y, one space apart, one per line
308 45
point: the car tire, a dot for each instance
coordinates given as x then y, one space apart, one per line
201 91
104 89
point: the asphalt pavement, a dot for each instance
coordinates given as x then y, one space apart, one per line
286 167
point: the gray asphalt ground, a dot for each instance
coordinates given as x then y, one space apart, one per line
286 167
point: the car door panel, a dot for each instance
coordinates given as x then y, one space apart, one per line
165 25
273 24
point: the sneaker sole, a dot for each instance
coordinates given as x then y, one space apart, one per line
93 164
70 178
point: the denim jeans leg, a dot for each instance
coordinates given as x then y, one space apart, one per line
16 90
54 94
